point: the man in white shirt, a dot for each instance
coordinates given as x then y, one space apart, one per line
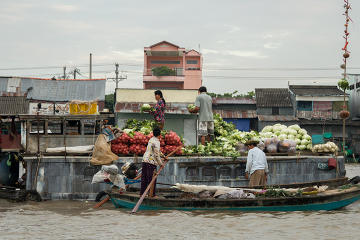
256 165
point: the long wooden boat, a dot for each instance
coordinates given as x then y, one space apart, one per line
328 200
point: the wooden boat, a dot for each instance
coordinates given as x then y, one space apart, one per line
328 200
18 195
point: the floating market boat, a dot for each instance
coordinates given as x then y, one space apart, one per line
327 200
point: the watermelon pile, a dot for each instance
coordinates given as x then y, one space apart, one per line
135 142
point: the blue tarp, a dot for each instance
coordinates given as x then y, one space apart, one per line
242 124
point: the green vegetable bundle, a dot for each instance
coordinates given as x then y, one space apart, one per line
191 107
146 108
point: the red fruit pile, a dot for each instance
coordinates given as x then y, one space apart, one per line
124 138
126 145
172 138
120 148
172 141
137 149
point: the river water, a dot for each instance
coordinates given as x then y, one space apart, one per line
77 220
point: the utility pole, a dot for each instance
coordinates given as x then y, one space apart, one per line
64 68
117 79
117 74
76 70
90 70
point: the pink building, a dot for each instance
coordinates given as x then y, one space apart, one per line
186 66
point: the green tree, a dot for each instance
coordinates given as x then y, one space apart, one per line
234 94
163 71
109 102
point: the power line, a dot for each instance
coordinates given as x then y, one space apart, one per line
204 68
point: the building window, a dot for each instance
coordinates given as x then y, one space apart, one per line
54 127
351 87
164 62
304 105
358 85
275 110
191 62
72 127
91 127
37 126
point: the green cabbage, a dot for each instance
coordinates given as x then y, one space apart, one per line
295 127
302 131
302 147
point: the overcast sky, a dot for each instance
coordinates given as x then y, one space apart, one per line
243 42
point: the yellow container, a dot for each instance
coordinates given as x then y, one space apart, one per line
83 108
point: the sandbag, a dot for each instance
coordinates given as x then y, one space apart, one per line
109 174
102 154
75 149
287 146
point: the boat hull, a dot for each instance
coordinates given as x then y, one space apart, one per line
305 203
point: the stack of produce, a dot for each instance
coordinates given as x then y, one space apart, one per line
329 147
292 133
191 107
136 136
226 142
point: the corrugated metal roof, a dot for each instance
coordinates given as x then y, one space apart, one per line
273 97
13 105
224 100
64 90
54 90
277 118
236 114
314 90
3 84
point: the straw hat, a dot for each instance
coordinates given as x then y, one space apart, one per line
251 142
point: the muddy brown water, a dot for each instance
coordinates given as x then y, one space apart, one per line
77 220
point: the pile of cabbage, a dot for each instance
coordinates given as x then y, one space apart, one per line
325 148
226 142
293 132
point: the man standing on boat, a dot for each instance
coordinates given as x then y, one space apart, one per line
203 106
256 165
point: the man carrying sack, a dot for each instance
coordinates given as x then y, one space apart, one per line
256 165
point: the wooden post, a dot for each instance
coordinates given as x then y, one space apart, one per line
82 127
28 129
64 134
46 127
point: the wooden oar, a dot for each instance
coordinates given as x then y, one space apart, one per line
102 202
108 197
152 182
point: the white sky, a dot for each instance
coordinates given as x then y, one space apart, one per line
240 40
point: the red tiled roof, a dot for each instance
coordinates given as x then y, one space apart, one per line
164 42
